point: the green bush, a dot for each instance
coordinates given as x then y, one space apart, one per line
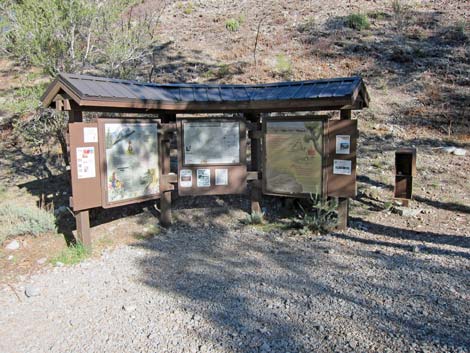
321 217
25 99
72 255
16 219
254 218
307 26
358 21
232 24
283 66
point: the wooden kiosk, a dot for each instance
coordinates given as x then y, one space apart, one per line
123 156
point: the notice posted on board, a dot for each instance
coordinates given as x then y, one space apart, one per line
203 178
86 162
342 167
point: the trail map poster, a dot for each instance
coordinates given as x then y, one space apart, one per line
131 160
293 157
211 142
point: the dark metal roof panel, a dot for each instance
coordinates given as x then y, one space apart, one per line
98 88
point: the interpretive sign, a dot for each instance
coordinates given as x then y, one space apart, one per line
130 152
211 142
293 156
211 156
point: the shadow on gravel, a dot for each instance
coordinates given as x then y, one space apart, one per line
243 290
398 233
449 206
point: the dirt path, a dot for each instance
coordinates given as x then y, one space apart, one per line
223 287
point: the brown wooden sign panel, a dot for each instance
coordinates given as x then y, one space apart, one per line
211 156
293 156
85 166
341 158
130 161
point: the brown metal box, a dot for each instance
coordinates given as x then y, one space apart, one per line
405 170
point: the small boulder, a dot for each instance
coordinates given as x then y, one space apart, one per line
129 308
406 212
32 291
41 261
460 152
13 245
265 347
449 149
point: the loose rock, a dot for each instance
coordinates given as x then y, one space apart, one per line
32 291
13 245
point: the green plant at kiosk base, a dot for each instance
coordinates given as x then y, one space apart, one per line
254 218
72 255
321 217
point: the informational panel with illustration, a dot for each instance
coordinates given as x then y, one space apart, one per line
132 161
293 156
211 142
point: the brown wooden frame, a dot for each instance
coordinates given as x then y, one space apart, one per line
323 119
103 162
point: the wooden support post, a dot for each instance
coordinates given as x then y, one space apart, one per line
82 219
75 116
345 114
255 196
343 213
343 203
256 193
165 199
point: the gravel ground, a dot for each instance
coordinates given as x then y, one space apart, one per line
221 287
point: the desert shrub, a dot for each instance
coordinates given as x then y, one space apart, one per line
254 218
17 219
72 36
25 99
397 7
283 66
377 15
232 24
321 216
72 255
43 127
189 9
358 21
307 26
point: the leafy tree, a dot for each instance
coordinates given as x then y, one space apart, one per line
75 35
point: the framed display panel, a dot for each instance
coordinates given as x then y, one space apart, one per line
340 156
211 156
293 158
130 161
212 141
85 166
